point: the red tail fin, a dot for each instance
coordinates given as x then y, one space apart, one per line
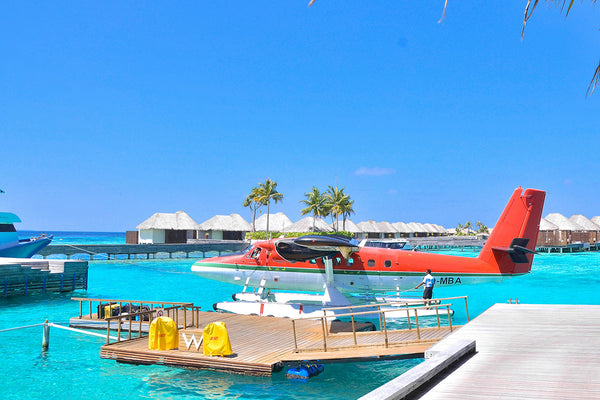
511 244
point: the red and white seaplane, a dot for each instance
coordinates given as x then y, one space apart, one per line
338 268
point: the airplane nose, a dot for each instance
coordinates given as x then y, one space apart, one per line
215 307
234 297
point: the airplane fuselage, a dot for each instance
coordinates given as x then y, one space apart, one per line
366 270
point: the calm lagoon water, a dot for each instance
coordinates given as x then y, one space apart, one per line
72 368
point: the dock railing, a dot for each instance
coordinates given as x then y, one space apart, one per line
145 313
381 309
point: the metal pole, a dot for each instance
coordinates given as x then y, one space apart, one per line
449 317
295 340
323 323
385 329
45 336
417 323
467 309
353 326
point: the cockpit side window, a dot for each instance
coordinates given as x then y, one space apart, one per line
255 253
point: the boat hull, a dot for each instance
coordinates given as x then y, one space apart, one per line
26 248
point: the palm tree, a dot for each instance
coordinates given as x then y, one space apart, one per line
481 228
347 210
459 229
254 205
528 13
468 226
267 191
315 203
335 202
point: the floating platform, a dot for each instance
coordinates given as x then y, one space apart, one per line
24 276
261 345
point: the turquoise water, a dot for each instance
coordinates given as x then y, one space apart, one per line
72 367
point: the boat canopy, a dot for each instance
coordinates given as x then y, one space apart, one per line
8 218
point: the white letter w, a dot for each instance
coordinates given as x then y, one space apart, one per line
192 340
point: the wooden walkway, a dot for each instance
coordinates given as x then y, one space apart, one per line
527 352
261 345
111 251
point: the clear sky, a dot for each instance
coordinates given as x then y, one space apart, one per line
111 111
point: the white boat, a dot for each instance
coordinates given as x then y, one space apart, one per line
11 246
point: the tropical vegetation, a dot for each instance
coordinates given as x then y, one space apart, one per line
316 204
253 204
529 8
467 228
262 195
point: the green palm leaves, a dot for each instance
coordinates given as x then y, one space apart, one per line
262 195
334 202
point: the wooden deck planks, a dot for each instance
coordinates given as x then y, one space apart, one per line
528 352
261 343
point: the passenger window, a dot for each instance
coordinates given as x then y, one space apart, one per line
371 263
350 261
387 263
313 261
337 261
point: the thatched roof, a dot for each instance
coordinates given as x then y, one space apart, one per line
402 227
386 227
440 228
350 226
178 221
306 225
563 222
546 225
584 223
277 222
596 220
226 223
431 228
369 226
417 227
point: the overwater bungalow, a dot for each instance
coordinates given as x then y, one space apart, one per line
592 229
278 222
167 228
574 232
403 229
418 229
225 227
348 226
306 225
369 230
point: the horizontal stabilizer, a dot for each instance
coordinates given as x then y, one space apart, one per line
517 250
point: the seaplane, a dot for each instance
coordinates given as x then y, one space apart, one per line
342 272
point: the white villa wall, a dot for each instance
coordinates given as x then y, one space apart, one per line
216 235
149 236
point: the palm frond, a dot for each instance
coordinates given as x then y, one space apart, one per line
594 82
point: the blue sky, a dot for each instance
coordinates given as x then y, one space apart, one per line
111 111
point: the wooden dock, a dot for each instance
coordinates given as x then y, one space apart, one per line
111 251
24 276
262 345
524 351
